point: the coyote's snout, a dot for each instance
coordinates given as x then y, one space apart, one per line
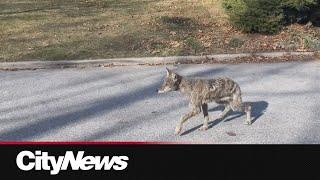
200 92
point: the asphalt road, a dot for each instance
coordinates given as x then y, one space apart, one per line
121 104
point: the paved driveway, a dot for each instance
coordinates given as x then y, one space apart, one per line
121 104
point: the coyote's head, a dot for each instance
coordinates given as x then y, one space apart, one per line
171 82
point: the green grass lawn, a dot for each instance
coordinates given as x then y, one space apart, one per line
91 29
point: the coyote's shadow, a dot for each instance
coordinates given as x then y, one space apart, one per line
258 109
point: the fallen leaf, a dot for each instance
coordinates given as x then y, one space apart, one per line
230 133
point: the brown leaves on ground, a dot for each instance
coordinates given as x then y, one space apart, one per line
264 59
250 59
96 29
237 60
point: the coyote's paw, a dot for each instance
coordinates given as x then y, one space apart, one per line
247 122
221 116
203 128
177 130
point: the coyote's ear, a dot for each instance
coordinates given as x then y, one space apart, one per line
168 71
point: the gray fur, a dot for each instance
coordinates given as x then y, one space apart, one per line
200 92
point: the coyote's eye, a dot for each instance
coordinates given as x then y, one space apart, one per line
174 77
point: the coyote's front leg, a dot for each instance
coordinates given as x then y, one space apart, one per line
246 107
206 117
223 114
195 110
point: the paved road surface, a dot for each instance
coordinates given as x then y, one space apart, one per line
121 104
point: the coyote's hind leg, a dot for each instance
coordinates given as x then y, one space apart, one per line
206 117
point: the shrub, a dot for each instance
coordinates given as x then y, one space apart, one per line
297 10
264 16
315 14
299 4
268 16
236 41
310 42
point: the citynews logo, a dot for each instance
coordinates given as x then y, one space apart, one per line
42 161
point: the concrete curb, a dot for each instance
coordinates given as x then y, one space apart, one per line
32 65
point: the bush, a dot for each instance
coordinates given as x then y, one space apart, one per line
297 10
310 42
268 16
315 15
299 4
264 16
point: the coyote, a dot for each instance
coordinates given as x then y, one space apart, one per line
200 92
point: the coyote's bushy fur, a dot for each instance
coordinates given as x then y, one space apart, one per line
200 92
